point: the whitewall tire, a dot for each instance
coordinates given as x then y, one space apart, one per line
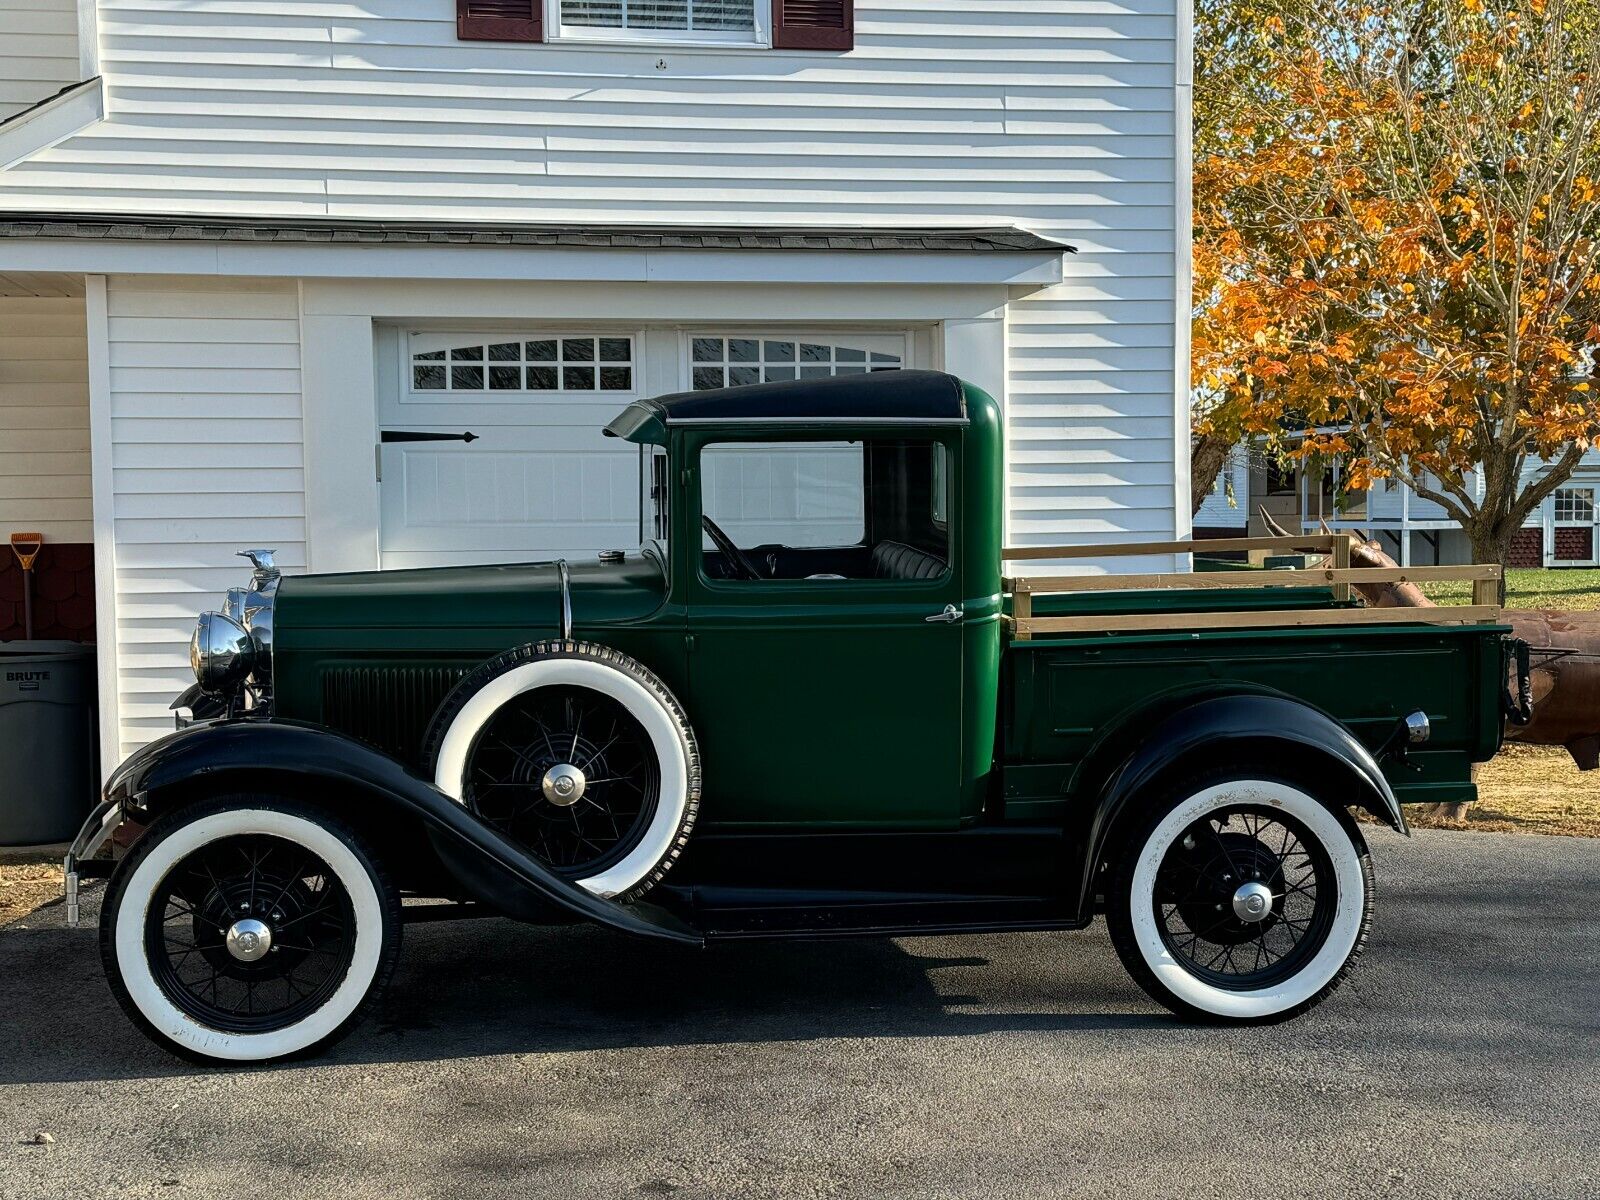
586 719
1239 899
248 928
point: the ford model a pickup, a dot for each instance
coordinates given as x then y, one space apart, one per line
808 704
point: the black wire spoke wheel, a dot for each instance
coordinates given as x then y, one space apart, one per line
570 774
1245 897
250 933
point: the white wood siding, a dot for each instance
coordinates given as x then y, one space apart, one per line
1058 115
206 458
38 51
44 418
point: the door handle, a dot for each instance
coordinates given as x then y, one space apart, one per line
414 435
949 616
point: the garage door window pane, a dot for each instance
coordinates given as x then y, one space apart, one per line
533 364
735 361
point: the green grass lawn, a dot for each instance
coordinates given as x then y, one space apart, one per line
1568 587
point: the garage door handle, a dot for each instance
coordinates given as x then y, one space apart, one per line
415 435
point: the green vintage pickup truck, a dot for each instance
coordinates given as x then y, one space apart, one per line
808 704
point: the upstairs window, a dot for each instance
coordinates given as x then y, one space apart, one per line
691 20
780 24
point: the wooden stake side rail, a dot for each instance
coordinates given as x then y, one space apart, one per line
1339 576
1470 614
1321 542
1313 577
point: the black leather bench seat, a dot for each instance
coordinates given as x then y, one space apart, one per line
896 560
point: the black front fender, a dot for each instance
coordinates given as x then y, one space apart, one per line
1251 730
194 762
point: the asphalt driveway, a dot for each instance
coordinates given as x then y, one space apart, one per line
1464 1060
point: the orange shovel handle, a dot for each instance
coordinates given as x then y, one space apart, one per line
26 547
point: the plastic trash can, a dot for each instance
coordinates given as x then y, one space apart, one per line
49 744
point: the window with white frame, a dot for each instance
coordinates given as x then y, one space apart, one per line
526 363
734 361
736 21
1575 505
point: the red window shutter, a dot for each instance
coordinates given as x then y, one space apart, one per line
813 24
500 20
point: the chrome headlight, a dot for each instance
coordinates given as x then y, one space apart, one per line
221 653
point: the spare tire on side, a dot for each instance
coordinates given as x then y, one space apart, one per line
577 753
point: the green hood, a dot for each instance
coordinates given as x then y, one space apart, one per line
372 654
453 609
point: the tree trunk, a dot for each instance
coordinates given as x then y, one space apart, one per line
1491 543
1207 453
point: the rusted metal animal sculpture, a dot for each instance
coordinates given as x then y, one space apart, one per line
1564 649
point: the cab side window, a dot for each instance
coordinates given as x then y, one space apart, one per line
824 510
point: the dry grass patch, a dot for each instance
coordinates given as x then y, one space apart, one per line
1530 789
26 883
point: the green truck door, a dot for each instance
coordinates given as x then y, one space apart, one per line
826 701
834 703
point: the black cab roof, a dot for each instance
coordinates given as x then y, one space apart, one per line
915 397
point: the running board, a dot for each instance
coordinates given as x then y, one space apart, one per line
888 918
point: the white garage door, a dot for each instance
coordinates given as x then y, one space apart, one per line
538 480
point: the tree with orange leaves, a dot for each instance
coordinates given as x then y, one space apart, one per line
1397 246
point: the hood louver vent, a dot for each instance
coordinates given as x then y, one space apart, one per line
386 707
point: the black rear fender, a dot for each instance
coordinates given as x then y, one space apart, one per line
1266 733
375 794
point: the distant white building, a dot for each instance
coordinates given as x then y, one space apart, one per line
250 240
1562 532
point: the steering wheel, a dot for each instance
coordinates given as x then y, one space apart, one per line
742 566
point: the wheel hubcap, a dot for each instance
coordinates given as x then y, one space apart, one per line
567 773
563 785
249 939
249 933
1252 902
1244 898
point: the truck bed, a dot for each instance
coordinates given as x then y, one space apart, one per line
1082 666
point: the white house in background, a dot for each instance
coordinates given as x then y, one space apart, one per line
1563 532
254 237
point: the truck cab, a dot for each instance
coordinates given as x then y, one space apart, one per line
837 568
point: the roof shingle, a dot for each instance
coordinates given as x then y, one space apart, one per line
977 240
